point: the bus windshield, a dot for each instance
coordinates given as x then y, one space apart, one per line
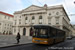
40 33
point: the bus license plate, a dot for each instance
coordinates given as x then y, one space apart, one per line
37 40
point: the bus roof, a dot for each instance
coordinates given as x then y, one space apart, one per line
46 26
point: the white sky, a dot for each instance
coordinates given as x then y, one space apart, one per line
10 6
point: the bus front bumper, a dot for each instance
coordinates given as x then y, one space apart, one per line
40 41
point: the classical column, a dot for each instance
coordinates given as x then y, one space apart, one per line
27 31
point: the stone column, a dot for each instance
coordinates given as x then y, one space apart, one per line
27 31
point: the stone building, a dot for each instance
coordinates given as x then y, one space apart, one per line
73 31
47 15
6 22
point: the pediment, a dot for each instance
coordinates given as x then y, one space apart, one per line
32 7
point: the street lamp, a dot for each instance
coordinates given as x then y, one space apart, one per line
74 2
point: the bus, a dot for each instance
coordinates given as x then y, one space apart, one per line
44 34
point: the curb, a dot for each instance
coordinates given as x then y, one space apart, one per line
14 45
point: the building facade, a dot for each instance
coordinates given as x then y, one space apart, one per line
73 31
6 22
54 16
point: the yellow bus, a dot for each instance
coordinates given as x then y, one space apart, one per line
44 34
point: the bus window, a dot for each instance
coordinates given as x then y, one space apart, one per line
59 33
40 33
35 32
53 32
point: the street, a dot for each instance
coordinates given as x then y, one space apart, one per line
66 45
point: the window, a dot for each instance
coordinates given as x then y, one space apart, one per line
49 21
57 20
40 19
20 16
15 17
33 20
26 19
8 17
5 17
14 30
8 24
57 13
43 31
23 15
19 21
5 27
10 28
40 33
18 29
53 32
5 24
0 23
49 14
15 23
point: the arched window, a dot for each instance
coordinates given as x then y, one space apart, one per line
26 18
40 17
24 31
57 13
31 31
33 18
49 14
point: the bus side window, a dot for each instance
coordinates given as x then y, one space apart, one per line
48 32
54 32
51 32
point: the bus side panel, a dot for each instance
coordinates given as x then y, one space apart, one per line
40 40
58 40
50 41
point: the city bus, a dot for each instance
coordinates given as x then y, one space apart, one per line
44 34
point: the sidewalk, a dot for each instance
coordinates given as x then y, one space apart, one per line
10 40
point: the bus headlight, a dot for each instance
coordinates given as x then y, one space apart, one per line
33 39
45 41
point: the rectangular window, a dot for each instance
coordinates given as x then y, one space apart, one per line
5 24
33 21
8 24
20 16
19 22
49 21
26 22
5 17
8 17
40 21
19 19
0 23
53 32
10 28
15 22
57 20
14 30
18 29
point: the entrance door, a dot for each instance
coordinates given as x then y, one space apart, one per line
24 31
31 32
